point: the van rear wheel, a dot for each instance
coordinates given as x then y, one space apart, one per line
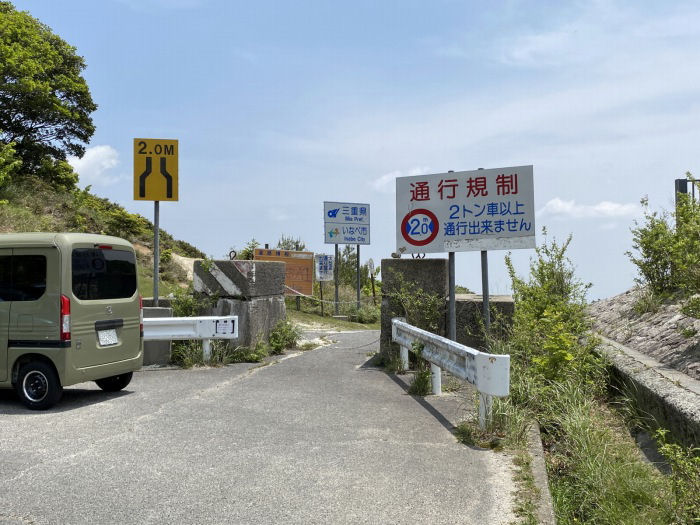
38 385
115 383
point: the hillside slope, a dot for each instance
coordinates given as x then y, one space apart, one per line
31 204
668 335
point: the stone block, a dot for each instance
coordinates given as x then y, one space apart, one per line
431 275
256 316
469 313
239 279
156 352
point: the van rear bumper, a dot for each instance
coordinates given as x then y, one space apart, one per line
90 373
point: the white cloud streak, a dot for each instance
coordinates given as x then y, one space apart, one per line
570 209
94 168
385 183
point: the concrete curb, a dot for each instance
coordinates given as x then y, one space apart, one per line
671 397
545 506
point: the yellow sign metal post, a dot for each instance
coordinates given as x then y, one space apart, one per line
155 179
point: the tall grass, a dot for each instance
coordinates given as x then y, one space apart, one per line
597 474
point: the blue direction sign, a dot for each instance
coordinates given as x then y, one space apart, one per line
346 223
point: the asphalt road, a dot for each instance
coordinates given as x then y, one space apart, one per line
316 437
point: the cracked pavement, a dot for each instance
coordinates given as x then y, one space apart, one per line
315 437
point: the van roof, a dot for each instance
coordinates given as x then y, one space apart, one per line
9 240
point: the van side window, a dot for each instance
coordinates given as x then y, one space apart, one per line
28 277
103 273
5 278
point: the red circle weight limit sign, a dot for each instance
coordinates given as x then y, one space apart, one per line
420 227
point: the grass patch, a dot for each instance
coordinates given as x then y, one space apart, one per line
326 323
188 354
527 493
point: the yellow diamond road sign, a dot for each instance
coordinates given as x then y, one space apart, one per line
155 170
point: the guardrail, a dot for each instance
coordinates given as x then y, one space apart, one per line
489 373
205 328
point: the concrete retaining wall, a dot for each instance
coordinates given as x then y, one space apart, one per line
671 397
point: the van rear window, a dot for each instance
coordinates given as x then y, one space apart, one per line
103 273
22 277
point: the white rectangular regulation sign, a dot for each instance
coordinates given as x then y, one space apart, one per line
490 209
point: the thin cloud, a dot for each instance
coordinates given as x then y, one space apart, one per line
385 183
605 209
94 168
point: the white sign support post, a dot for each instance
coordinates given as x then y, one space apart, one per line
358 277
480 210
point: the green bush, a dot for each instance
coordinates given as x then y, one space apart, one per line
420 308
685 478
667 247
284 335
367 314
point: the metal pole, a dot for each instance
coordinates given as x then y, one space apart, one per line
358 276
452 311
335 277
156 250
485 289
320 285
451 308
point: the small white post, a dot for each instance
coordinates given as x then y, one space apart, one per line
436 376
206 349
404 357
485 405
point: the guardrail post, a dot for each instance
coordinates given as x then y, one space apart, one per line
485 405
404 357
206 349
436 376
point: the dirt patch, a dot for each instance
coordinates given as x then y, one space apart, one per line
186 263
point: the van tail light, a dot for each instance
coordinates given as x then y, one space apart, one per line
141 315
65 318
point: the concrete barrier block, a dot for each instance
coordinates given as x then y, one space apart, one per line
156 352
239 279
256 316
431 275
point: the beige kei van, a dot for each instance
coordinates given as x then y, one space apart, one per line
70 312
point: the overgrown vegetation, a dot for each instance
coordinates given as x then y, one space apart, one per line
186 354
596 473
32 204
667 250
284 335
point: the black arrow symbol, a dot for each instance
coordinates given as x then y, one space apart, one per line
168 179
142 178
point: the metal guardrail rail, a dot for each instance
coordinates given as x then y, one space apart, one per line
489 373
205 328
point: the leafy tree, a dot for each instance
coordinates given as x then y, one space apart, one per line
347 268
45 103
248 252
290 243
9 163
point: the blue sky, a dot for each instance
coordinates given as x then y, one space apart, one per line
279 106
